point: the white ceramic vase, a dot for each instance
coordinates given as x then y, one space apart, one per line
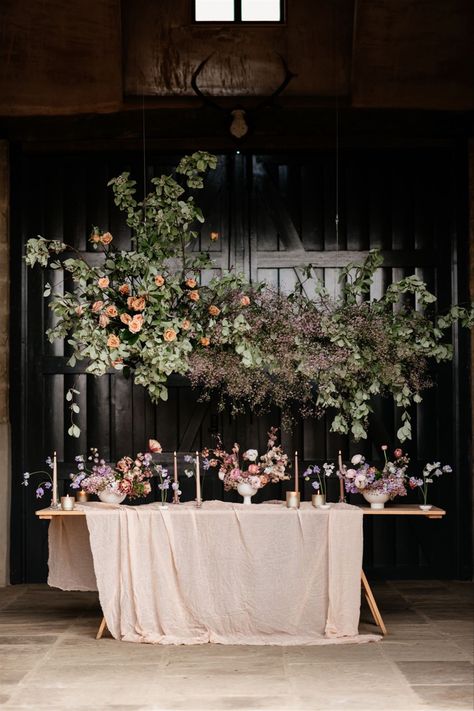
426 507
376 501
247 492
111 495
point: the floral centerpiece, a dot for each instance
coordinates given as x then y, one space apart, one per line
429 471
112 483
377 485
254 471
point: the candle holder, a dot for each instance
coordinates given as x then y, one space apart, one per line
318 500
293 499
67 503
82 496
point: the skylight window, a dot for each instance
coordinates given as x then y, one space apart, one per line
238 10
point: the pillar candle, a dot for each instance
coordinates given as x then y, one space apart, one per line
67 503
198 482
54 499
175 465
341 480
296 473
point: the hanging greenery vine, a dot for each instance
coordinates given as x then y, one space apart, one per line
145 312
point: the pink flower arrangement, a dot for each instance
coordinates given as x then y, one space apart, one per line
361 476
128 476
254 469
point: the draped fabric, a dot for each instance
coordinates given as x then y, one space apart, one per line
225 573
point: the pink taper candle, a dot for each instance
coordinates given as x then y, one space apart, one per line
54 498
175 467
296 473
341 480
198 481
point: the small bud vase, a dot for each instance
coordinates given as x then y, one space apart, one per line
247 492
426 507
376 500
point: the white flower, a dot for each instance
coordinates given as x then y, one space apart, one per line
351 473
360 481
221 475
447 469
357 459
251 455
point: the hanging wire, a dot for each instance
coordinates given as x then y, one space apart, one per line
336 215
144 158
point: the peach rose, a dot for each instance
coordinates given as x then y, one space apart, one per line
159 280
194 295
113 341
191 283
103 282
125 318
106 238
253 469
135 325
137 303
186 325
245 301
124 289
214 310
205 341
169 335
95 237
79 310
154 446
111 311
97 306
103 320
214 236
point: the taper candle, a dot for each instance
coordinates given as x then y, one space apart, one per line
54 498
341 480
296 473
175 467
198 481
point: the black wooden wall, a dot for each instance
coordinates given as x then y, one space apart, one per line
274 213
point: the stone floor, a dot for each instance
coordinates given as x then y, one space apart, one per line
49 659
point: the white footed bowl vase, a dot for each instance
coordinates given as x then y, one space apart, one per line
111 496
247 492
376 501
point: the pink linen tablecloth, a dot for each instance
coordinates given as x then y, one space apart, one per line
226 573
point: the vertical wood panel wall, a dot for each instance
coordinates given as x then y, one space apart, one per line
274 213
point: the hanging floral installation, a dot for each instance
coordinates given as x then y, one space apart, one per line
146 313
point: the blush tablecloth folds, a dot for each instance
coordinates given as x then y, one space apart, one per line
225 573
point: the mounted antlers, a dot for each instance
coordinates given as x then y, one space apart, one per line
239 126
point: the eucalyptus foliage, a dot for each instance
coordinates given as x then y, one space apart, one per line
145 312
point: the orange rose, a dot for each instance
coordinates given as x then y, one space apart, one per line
97 306
125 318
95 237
159 281
124 289
79 310
205 341
103 282
137 303
214 236
186 325
169 335
113 341
106 238
103 320
135 325
194 295
191 283
245 301
214 310
111 311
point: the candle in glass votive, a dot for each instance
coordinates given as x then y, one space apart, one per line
67 503
198 482
81 496
296 473
292 499
175 478
54 497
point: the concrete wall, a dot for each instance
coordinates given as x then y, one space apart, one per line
5 469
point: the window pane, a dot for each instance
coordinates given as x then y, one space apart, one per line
261 10
217 10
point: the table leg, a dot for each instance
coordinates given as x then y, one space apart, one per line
369 596
102 628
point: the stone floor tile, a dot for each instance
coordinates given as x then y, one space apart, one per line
422 672
447 698
417 650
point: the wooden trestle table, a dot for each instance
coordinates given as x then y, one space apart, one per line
392 510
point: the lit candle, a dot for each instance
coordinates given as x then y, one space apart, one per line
198 482
175 464
341 480
81 496
67 503
296 473
54 499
